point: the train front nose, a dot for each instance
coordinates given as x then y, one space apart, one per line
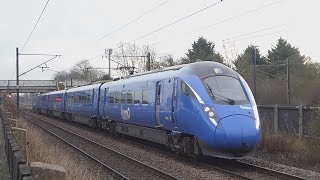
237 134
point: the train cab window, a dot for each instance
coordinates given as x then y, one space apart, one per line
123 97
137 97
145 97
129 97
112 97
186 89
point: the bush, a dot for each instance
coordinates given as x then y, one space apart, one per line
275 143
304 151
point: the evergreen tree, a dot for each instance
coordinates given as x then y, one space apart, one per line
202 50
283 51
244 63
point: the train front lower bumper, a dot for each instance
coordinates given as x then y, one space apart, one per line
235 136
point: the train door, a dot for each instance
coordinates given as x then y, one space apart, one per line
166 102
174 101
169 102
158 103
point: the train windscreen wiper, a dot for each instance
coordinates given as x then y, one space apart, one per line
228 100
215 95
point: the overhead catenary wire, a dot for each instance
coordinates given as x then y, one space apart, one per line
34 27
39 65
231 18
161 28
175 22
272 75
261 30
134 20
266 34
237 16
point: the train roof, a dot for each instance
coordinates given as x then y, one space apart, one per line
198 69
201 69
56 92
209 68
82 88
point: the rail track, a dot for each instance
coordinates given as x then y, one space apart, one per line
120 166
271 172
236 169
247 170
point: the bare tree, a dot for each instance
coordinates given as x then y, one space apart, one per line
132 55
81 70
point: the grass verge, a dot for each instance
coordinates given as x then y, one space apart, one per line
44 148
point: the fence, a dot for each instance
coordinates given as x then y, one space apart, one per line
18 167
296 120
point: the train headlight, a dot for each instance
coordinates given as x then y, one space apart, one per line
206 109
211 114
256 116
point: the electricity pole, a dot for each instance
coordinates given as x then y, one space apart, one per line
148 62
17 56
288 82
109 58
254 71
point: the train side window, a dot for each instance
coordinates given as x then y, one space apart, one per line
129 97
123 97
145 97
137 97
117 97
86 99
187 90
112 97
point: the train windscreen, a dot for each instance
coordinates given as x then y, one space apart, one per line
226 89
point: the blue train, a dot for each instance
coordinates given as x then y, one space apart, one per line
203 108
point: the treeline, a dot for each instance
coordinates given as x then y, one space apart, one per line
271 69
272 72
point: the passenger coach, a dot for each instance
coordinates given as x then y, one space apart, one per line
199 108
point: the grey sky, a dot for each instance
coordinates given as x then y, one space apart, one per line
72 28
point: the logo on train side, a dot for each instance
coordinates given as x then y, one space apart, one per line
245 107
125 113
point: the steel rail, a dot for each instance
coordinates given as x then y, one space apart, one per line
239 166
120 176
271 172
232 173
154 170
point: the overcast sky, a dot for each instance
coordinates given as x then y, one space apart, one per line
72 28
